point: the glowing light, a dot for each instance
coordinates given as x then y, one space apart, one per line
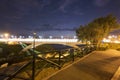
106 40
34 33
6 35
50 37
12 36
75 37
109 37
1 36
40 37
12 42
62 37
116 41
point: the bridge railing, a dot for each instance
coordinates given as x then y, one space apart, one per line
56 60
39 40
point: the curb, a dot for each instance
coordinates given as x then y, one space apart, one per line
116 76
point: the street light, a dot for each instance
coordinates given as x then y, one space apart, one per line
33 62
6 36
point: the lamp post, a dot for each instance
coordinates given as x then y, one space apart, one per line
33 59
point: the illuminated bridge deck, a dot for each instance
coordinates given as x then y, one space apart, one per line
39 40
99 65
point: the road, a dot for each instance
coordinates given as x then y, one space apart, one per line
98 65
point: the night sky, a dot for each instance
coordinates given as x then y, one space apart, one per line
52 17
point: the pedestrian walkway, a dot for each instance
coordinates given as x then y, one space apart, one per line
98 65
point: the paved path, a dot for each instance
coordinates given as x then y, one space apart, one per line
99 65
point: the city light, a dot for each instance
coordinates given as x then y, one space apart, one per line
6 35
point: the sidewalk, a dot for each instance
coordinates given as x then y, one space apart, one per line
99 65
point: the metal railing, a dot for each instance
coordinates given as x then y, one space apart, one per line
57 59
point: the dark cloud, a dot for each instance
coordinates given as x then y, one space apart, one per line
53 29
66 3
17 9
72 6
48 27
101 3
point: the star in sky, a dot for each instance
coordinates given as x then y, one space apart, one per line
47 17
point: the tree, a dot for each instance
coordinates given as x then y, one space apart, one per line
98 29
81 31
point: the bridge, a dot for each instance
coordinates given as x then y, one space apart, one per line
68 42
39 40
